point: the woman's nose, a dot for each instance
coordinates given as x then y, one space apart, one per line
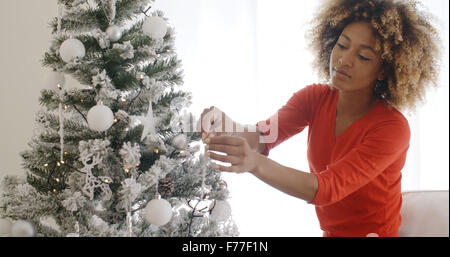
345 60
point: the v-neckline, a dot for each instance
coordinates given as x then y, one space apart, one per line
333 132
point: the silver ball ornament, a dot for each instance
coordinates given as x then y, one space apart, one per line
155 27
221 211
22 228
180 141
114 33
100 118
158 212
71 49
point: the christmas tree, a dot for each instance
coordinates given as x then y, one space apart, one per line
120 156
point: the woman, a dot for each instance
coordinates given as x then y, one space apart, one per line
379 56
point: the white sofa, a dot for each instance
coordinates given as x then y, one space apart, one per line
425 214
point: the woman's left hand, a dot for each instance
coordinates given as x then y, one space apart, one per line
238 153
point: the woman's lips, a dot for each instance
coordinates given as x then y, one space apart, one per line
341 73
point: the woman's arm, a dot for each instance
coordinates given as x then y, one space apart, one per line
296 183
243 158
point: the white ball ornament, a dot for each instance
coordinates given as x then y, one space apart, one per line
5 227
155 27
158 212
22 228
221 211
114 33
70 49
55 80
180 141
100 118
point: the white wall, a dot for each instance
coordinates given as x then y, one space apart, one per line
25 36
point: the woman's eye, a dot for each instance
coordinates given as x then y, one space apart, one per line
341 46
364 58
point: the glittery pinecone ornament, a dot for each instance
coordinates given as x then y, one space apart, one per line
165 187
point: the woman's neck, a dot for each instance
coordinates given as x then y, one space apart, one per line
355 103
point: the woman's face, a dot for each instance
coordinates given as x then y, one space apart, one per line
354 63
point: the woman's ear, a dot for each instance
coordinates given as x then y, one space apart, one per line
381 75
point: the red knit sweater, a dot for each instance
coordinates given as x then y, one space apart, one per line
359 172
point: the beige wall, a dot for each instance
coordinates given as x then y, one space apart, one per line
24 37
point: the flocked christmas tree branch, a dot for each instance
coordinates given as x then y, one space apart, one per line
117 157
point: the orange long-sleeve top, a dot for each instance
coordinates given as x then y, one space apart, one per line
359 172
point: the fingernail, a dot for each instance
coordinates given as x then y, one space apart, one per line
207 140
208 154
216 166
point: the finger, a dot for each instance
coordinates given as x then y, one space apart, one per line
226 140
210 121
230 150
226 168
207 135
233 160
216 120
204 123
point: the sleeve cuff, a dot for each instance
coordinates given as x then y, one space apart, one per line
319 198
262 136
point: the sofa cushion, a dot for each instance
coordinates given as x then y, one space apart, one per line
425 214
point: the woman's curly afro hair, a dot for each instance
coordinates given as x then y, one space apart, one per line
409 45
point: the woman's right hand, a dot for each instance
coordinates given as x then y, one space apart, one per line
214 122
